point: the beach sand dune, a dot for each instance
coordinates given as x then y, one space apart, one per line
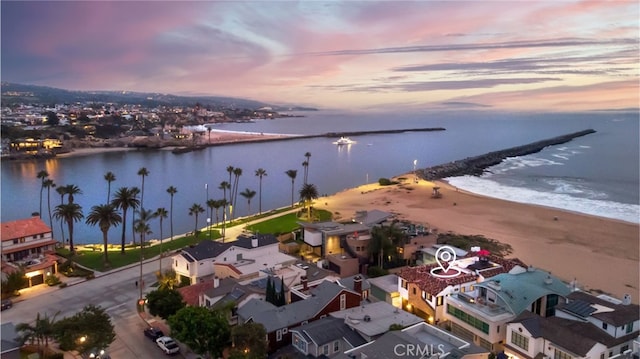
602 254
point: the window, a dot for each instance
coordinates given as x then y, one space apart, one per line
415 291
602 356
336 346
15 241
438 301
519 340
278 335
629 327
403 284
299 343
285 330
467 318
22 240
365 295
343 301
604 325
559 354
34 237
624 348
187 266
325 349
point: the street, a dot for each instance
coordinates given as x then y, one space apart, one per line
116 292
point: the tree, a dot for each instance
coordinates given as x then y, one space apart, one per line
91 328
248 194
142 172
167 280
260 173
216 205
306 167
270 291
142 226
72 190
211 204
61 191
52 118
48 184
224 185
161 213
70 213
195 210
105 216
237 172
292 174
164 302
381 243
109 177
248 341
308 193
38 333
204 331
171 191
42 175
123 199
13 282
282 298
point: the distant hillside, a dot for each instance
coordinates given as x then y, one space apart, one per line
42 95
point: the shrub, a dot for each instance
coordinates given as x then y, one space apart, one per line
384 181
52 280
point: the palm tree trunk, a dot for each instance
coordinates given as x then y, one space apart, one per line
49 206
71 247
124 229
106 255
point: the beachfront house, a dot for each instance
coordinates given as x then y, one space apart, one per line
325 337
423 293
584 326
28 244
326 298
481 314
385 288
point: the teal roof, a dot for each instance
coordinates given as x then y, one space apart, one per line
518 291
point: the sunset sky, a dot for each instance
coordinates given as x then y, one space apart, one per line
511 55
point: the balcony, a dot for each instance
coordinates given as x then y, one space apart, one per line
480 306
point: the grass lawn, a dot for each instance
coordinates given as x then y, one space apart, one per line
95 260
286 223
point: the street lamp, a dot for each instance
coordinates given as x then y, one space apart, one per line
209 226
206 188
415 177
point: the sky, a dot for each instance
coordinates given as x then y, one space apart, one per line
519 55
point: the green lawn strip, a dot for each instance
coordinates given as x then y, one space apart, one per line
95 260
286 223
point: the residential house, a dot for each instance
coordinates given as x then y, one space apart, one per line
195 263
584 326
29 244
481 314
423 292
385 288
417 342
356 283
326 298
325 337
371 320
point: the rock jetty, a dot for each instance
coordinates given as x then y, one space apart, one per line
475 166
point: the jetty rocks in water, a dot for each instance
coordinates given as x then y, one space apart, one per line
475 166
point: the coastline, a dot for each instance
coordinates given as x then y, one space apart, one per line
601 253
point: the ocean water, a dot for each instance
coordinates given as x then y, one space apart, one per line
596 174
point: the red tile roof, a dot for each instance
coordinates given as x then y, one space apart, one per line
23 228
422 277
231 266
191 293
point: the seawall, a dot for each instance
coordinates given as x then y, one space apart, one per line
475 166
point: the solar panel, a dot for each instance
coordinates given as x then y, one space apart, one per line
580 307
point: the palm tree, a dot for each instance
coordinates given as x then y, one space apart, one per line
292 174
216 205
123 199
109 177
40 332
61 191
161 213
248 194
42 175
142 226
237 172
380 243
135 191
260 173
230 170
105 216
211 204
195 210
306 168
142 172
72 190
171 190
224 185
48 184
70 212
308 193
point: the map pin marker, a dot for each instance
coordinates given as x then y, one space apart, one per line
445 256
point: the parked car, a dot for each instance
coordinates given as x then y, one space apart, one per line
153 333
168 345
6 304
98 354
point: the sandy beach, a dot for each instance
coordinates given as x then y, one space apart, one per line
602 254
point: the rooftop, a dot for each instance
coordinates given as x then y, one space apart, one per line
23 228
388 283
374 319
583 305
327 330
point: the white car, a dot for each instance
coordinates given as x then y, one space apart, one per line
168 345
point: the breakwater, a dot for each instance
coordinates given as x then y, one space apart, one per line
475 166
271 138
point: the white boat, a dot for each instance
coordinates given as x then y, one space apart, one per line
344 141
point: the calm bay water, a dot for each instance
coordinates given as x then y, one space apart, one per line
596 174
